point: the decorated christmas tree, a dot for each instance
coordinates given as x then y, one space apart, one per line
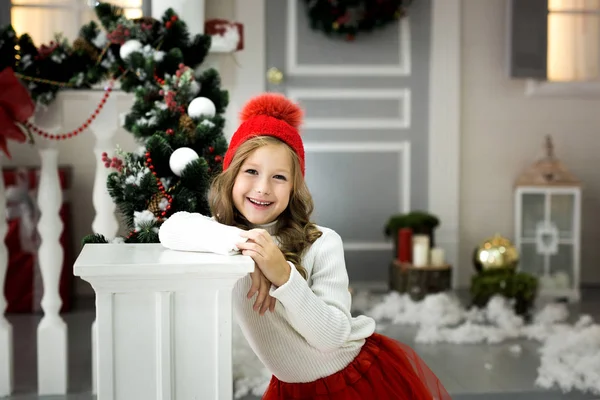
181 127
177 115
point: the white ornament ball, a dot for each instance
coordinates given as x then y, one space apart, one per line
129 47
202 107
181 158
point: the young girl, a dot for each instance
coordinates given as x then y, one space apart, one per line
310 342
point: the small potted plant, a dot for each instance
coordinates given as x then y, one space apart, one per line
420 222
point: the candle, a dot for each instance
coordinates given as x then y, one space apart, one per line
404 245
423 239
420 254
437 257
420 246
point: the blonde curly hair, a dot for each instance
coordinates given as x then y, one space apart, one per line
294 230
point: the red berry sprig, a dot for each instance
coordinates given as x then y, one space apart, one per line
170 100
160 81
161 187
180 70
114 162
119 35
170 22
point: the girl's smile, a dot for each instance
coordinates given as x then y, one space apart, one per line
258 203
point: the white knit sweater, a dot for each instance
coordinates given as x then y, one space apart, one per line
311 334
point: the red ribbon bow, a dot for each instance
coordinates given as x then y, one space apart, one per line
16 106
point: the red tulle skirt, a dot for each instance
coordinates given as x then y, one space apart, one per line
383 370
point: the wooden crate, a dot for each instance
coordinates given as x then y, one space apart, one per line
419 281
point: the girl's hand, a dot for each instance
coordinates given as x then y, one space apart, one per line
261 285
266 255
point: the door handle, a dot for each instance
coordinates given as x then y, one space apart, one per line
274 75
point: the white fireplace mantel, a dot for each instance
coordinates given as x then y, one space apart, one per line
164 320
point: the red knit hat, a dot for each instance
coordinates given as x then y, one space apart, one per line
269 114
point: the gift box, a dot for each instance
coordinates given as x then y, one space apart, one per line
219 27
23 286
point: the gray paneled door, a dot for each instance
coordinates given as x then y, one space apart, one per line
365 130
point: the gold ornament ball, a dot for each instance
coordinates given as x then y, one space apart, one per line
494 253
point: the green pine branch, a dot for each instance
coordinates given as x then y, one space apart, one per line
8 40
177 33
108 14
210 82
198 49
93 238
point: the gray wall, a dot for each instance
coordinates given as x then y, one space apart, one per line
503 133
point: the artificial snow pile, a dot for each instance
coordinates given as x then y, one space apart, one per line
570 353
570 358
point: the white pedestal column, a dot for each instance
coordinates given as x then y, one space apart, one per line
6 341
164 320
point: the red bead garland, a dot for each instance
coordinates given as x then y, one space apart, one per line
163 213
85 125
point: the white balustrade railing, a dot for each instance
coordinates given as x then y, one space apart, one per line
52 330
52 337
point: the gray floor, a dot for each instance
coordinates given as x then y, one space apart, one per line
461 368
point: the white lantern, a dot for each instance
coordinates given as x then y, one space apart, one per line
548 226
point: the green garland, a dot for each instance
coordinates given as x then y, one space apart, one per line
347 18
94 56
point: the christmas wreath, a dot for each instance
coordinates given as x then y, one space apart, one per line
349 17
